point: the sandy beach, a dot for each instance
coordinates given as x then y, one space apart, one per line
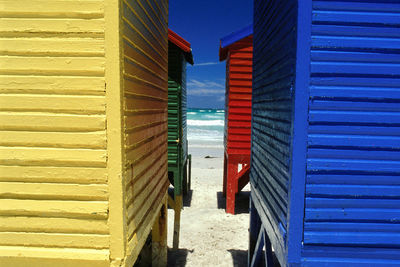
209 236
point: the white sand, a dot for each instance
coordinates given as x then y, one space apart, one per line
209 236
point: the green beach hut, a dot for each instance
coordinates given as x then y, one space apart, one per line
179 53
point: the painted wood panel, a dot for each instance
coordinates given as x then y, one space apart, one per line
83 130
325 133
53 148
353 133
145 100
238 98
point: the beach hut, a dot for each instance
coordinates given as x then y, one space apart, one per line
325 171
179 53
83 132
237 50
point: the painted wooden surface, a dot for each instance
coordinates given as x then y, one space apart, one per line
238 97
237 50
77 137
179 54
274 66
353 164
326 116
177 125
145 89
53 154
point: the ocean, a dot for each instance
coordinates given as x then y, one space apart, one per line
205 128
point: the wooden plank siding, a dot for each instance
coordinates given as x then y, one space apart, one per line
238 103
83 129
145 118
53 149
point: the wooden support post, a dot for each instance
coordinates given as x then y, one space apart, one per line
225 176
258 239
159 237
185 178
232 185
171 202
177 220
258 259
255 226
190 172
269 260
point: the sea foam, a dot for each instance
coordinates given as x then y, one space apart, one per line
206 122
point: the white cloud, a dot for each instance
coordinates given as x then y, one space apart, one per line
205 84
207 64
205 92
205 88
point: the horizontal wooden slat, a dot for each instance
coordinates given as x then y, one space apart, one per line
13 26
53 191
54 240
355 238
361 141
54 139
59 8
47 257
50 156
50 122
52 46
52 225
54 208
349 17
54 103
79 66
79 175
52 84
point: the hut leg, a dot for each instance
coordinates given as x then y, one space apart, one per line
190 172
185 177
231 187
159 237
269 257
177 220
225 176
258 258
255 226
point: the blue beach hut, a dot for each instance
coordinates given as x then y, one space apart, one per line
325 171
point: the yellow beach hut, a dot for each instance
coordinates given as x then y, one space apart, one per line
83 131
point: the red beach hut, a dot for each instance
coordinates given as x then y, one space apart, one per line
237 50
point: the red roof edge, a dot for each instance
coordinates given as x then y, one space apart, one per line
182 44
179 41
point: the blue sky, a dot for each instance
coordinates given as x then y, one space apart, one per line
203 23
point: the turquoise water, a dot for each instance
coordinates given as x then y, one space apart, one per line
206 126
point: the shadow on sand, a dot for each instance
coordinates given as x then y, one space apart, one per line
187 199
239 257
242 202
178 258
